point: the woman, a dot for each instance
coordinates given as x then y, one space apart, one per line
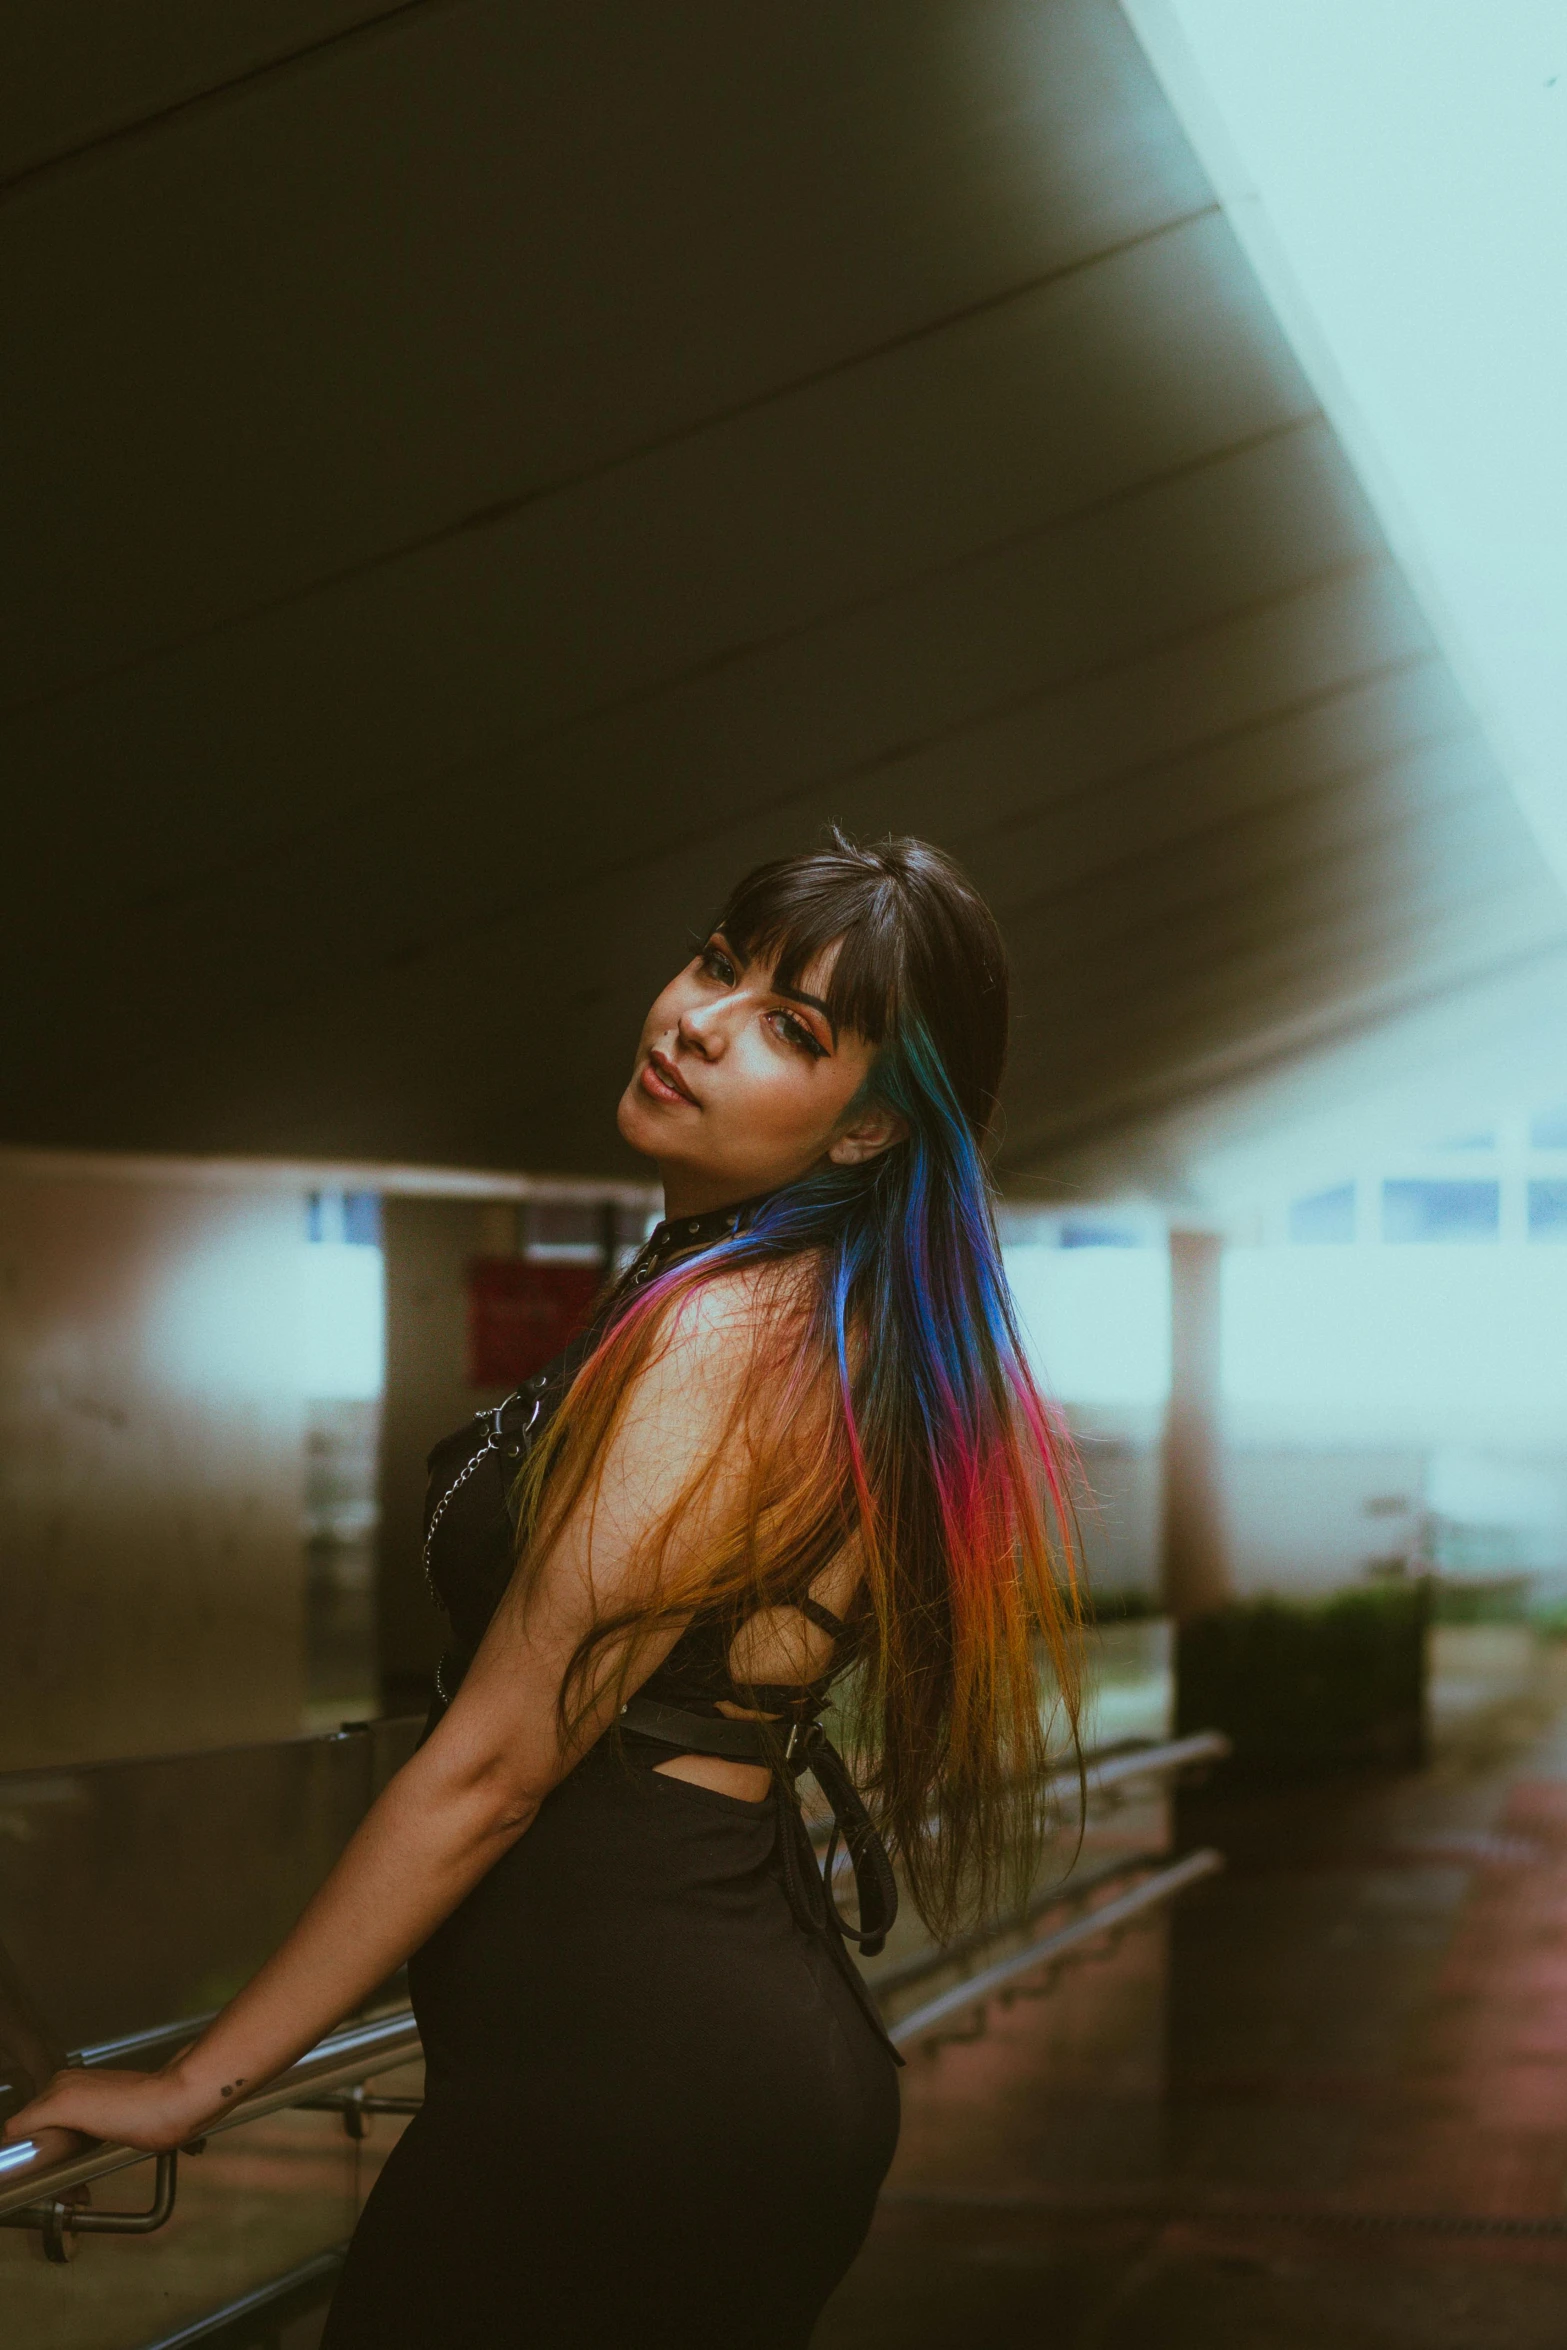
800 1437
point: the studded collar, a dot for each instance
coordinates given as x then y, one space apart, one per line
677 1234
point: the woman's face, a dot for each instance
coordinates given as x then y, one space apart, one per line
740 1086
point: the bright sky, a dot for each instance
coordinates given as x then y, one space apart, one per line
1397 171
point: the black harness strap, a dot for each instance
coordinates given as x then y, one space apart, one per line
874 1883
787 1749
696 1733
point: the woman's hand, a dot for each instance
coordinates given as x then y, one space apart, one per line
156 2111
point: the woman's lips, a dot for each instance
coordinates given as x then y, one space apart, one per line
661 1081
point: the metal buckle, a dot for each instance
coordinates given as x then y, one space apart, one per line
496 1411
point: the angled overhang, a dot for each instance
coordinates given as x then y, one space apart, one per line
483 476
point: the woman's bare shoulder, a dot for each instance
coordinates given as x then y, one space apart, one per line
717 1357
718 1334
743 1299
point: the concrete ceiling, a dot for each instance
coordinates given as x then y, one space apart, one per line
480 476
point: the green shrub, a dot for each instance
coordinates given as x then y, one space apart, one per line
1302 1689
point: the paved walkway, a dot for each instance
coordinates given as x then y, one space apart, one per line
1291 2120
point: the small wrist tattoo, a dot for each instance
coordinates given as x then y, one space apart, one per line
229 2090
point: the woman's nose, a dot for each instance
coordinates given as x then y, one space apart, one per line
700 1030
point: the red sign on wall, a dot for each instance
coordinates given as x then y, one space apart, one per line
520 1314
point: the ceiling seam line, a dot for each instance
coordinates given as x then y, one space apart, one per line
498 511
140 126
1015 705
409 956
1262 812
360 810
357 812
1200 746
1353 905
1143 1099
1119 1119
263 1016
1414 921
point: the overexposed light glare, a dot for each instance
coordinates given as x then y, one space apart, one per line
224 1316
343 1320
1477 1489
1361 1345
1396 171
1097 1321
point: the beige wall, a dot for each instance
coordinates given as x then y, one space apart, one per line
151 1461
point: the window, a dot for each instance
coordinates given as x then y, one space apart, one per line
1418 1209
350 1219
1326 1215
1548 1209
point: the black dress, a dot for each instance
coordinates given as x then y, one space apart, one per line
658 2103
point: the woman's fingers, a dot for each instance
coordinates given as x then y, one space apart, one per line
53 2145
58 2108
126 2108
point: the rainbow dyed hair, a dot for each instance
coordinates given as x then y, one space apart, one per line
890 1405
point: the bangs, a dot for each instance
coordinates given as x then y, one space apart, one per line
920 956
789 913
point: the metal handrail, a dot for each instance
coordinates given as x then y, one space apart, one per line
1066 1892
135 2047
1113 1766
337 2062
974 1990
280 2300
359 2051
1108 1768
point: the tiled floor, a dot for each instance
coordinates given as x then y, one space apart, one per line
1302 2133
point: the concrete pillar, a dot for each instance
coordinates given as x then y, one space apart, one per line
428 1244
1196 1558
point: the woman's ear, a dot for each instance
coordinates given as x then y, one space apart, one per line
877 1130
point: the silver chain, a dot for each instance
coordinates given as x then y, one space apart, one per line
440 1509
490 1444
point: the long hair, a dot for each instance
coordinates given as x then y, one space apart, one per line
889 1406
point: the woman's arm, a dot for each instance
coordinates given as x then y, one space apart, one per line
470 1791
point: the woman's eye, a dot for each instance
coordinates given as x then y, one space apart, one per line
717 965
797 1032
